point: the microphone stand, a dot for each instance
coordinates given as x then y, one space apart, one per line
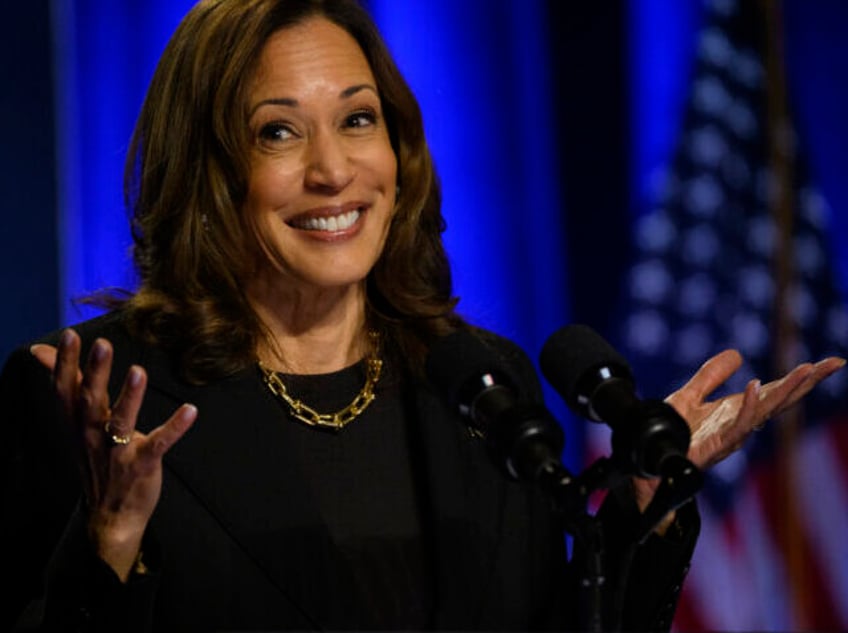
571 495
653 445
680 479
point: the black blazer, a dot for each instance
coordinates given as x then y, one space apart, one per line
233 545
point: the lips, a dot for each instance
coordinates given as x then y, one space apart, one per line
327 220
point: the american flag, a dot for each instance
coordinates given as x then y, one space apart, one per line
732 252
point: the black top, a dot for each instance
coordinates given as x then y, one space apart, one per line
364 485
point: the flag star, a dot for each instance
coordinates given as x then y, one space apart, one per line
741 120
715 48
654 232
651 281
704 196
707 146
749 333
814 207
710 96
747 70
646 332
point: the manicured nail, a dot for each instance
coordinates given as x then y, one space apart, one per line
99 350
66 339
188 414
134 377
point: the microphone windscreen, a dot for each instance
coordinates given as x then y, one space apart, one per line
572 353
459 358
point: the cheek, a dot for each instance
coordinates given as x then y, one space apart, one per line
271 185
257 197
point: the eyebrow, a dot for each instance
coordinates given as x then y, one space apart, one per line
293 103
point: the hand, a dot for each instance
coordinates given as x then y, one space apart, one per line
720 427
121 481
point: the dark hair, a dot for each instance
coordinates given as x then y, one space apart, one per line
186 181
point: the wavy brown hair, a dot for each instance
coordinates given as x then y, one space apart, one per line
186 182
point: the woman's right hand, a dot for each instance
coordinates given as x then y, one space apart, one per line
121 467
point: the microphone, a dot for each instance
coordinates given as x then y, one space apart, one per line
523 436
596 382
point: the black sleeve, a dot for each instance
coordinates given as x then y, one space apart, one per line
643 582
85 594
40 484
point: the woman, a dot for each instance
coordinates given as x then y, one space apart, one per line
256 443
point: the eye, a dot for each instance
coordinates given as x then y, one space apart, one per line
361 119
275 132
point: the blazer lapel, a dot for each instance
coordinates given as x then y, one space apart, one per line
238 463
465 501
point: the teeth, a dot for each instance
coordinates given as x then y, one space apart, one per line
331 224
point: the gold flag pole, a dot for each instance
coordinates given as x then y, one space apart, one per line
781 199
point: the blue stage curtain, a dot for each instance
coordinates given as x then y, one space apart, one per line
105 54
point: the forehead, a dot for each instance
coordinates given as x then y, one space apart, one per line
309 53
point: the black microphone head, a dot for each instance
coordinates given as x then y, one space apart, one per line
575 359
521 434
461 359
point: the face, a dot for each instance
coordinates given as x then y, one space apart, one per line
322 178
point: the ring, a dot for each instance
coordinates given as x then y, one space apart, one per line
117 440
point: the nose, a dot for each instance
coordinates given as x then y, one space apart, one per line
328 164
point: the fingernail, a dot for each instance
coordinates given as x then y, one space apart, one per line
188 414
99 350
134 377
66 339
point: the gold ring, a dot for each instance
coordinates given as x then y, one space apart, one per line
117 440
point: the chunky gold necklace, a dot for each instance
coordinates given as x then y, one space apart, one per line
341 418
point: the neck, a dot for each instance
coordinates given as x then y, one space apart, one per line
315 332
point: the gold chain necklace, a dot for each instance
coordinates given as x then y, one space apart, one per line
341 418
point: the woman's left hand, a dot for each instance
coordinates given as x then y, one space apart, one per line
720 427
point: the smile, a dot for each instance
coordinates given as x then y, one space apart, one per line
330 224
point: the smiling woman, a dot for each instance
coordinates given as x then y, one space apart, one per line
251 441
321 191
